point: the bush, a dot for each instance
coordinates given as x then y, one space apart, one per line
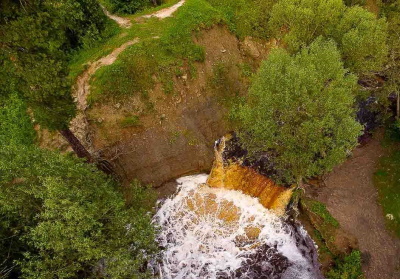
347 268
128 6
246 17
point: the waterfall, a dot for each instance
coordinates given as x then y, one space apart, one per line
209 232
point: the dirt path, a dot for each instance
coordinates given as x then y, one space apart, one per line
167 12
123 22
79 125
351 197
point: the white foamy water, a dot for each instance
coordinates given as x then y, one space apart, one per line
208 239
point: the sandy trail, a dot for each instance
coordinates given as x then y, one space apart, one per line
167 12
79 125
123 22
82 84
351 197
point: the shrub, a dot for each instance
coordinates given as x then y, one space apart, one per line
347 268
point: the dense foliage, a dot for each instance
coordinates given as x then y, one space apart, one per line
60 218
36 37
360 36
347 268
16 126
128 6
300 107
246 17
391 10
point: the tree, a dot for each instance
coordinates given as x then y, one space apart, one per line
61 218
35 39
360 36
300 107
362 40
392 70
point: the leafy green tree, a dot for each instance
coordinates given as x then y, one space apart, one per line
61 218
362 40
36 37
360 36
299 22
301 108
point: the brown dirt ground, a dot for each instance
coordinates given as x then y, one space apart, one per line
351 197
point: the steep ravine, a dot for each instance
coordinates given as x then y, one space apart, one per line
177 137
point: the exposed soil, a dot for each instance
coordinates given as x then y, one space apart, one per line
79 125
122 21
351 197
177 136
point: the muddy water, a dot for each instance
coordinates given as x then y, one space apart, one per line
233 176
209 232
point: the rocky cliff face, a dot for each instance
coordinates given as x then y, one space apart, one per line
177 137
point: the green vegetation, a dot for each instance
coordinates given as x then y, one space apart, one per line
325 223
36 69
246 17
391 9
127 6
387 181
16 126
61 218
320 209
347 268
157 59
325 232
300 107
130 121
360 36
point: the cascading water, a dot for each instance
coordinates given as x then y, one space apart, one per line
210 232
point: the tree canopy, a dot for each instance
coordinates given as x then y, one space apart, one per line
300 107
61 218
36 37
360 36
